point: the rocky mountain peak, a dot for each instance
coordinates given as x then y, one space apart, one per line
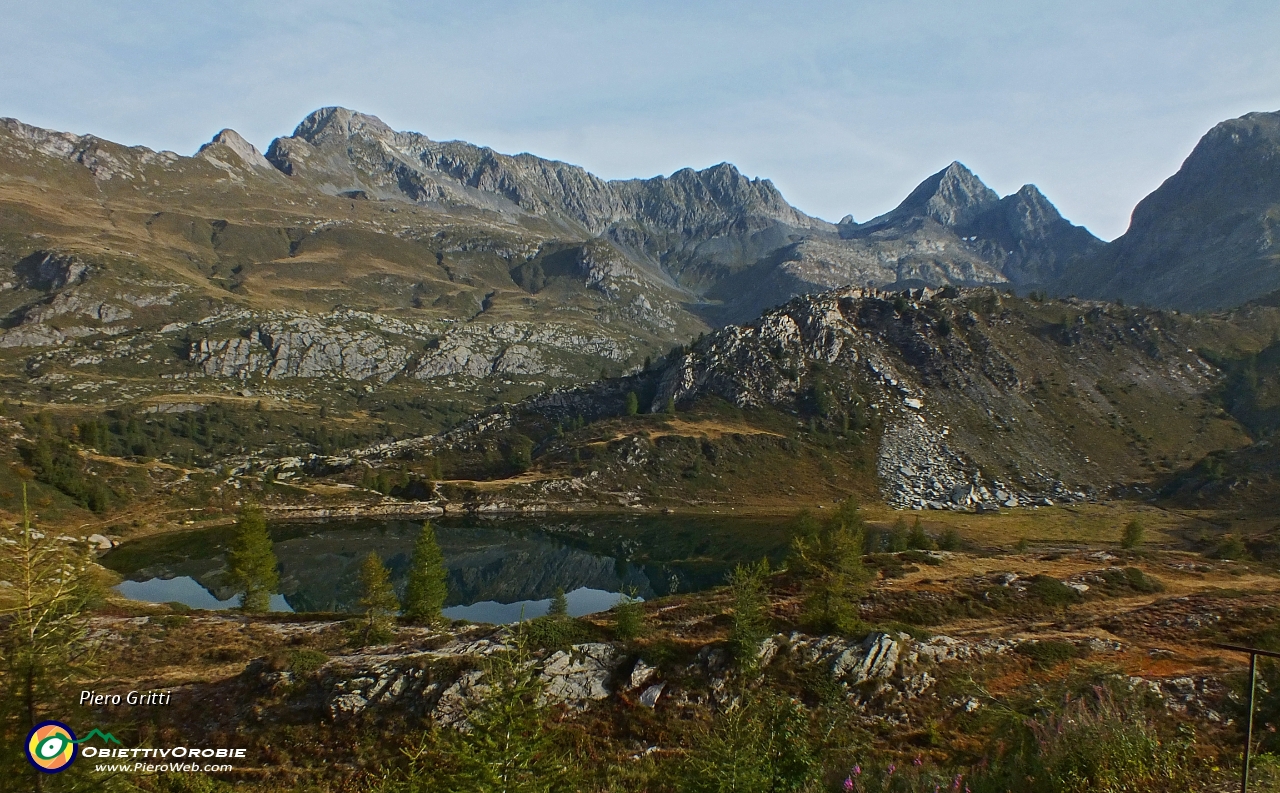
1029 212
1236 161
245 150
952 197
1207 237
339 123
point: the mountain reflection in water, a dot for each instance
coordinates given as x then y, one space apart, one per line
496 569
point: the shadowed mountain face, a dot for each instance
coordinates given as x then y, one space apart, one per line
1209 237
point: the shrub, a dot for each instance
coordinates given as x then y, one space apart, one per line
765 744
920 557
304 661
629 617
949 540
520 453
1141 582
554 633
1052 592
1048 653
1231 548
1091 744
1132 535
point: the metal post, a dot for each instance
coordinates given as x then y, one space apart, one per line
1253 652
1248 730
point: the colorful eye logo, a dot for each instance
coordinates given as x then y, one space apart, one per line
51 746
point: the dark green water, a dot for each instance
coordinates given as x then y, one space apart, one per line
497 566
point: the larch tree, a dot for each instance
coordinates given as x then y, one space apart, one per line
43 638
377 598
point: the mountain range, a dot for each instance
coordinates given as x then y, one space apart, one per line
349 253
355 287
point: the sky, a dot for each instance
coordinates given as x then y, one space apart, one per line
844 106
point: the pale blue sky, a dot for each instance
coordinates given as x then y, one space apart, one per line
845 106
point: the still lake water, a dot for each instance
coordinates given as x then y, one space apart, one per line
498 568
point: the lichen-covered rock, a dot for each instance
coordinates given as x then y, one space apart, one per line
579 675
641 673
875 657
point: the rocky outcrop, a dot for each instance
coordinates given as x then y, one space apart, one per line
875 670
948 386
50 270
288 345
580 674
301 348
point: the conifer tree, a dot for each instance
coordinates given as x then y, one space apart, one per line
1132 535
251 563
511 745
633 403
426 588
764 744
377 598
750 604
43 641
629 616
917 539
559 605
830 562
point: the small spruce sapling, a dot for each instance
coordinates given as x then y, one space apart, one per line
917 539
629 616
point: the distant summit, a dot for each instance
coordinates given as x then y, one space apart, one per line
1209 237
952 197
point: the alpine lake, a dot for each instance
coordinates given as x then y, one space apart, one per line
500 569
